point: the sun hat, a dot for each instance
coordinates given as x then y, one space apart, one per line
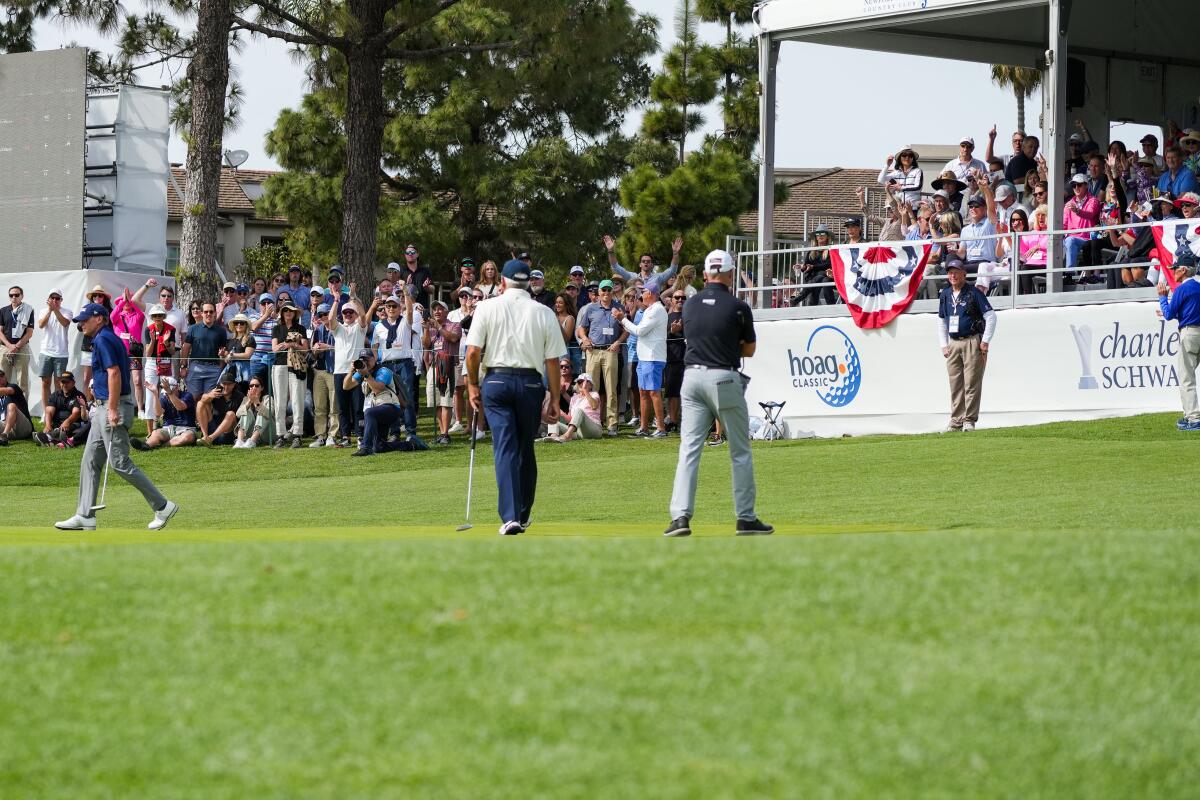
947 178
239 318
95 290
157 311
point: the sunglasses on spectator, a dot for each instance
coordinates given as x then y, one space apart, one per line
410 252
15 294
276 280
255 385
349 312
334 279
476 297
55 297
680 297
227 291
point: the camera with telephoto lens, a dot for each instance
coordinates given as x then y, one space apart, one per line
360 364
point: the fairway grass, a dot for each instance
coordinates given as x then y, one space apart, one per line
1010 613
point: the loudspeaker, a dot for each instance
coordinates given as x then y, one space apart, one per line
1076 83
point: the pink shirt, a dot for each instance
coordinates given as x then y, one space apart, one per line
1084 216
580 399
127 321
1033 249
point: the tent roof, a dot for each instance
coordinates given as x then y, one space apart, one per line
1008 31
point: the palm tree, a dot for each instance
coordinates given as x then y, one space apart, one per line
1022 81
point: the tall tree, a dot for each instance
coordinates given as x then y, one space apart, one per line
686 83
1022 81
367 35
737 61
482 152
702 197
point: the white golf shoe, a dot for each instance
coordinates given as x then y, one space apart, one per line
77 523
163 516
457 427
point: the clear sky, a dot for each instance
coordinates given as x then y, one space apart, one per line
837 107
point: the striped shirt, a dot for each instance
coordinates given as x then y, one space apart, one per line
262 338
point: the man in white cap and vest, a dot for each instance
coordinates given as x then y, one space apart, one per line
719 329
513 340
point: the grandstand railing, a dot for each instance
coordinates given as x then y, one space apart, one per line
774 300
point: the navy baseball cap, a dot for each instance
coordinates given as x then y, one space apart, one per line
89 311
955 263
242 288
976 201
294 268
516 270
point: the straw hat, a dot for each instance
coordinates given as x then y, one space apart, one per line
98 289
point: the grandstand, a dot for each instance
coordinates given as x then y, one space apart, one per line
1051 361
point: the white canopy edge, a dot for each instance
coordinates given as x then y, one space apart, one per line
788 18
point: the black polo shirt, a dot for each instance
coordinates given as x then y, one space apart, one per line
715 323
206 342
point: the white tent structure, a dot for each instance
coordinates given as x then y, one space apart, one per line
1129 60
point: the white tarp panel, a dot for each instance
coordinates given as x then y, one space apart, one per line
74 285
1045 365
140 213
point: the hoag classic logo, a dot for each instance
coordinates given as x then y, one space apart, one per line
829 366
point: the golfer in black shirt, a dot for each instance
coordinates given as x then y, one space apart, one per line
719 330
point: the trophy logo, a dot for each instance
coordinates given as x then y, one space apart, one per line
1083 343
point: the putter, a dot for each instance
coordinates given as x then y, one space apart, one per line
466 526
104 487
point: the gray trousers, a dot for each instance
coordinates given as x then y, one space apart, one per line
106 442
709 394
1189 358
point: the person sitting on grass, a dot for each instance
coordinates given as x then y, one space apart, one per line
178 427
255 418
216 412
583 421
14 412
66 409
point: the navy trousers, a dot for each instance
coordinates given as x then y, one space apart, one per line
406 385
513 407
377 422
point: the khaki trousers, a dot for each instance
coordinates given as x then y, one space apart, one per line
965 365
1189 358
605 368
16 367
324 404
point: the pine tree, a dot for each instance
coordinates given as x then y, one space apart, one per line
482 153
687 83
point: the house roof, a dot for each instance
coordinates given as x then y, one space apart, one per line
824 194
232 198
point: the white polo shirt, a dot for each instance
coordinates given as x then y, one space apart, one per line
516 331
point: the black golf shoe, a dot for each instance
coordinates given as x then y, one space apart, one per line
754 527
680 526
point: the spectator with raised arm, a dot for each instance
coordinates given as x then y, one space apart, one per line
977 248
902 175
646 270
651 333
54 320
348 337
891 229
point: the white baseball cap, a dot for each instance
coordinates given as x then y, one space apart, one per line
393 266
967 140
718 261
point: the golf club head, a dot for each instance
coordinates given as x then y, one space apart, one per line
465 527
100 507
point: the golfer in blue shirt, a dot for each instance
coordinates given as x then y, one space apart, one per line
1184 307
112 412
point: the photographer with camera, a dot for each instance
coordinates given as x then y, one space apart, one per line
216 411
381 405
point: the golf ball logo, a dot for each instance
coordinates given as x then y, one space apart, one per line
829 366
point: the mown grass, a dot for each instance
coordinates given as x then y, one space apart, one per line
1012 614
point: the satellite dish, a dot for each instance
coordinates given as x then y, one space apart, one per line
235 158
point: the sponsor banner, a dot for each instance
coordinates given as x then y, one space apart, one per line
878 282
1045 364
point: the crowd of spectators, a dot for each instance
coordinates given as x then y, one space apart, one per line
286 363
977 202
